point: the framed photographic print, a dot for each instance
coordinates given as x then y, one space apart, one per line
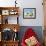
29 13
5 12
12 12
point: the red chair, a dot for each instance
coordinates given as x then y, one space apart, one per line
29 33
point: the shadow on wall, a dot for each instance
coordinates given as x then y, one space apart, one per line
37 29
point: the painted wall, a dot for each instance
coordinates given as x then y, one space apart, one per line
27 4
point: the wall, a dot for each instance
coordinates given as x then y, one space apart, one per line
39 13
27 4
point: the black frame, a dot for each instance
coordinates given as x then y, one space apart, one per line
31 17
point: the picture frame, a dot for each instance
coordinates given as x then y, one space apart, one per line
12 12
5 12
29 13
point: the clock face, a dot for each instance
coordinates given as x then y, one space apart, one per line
5 12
